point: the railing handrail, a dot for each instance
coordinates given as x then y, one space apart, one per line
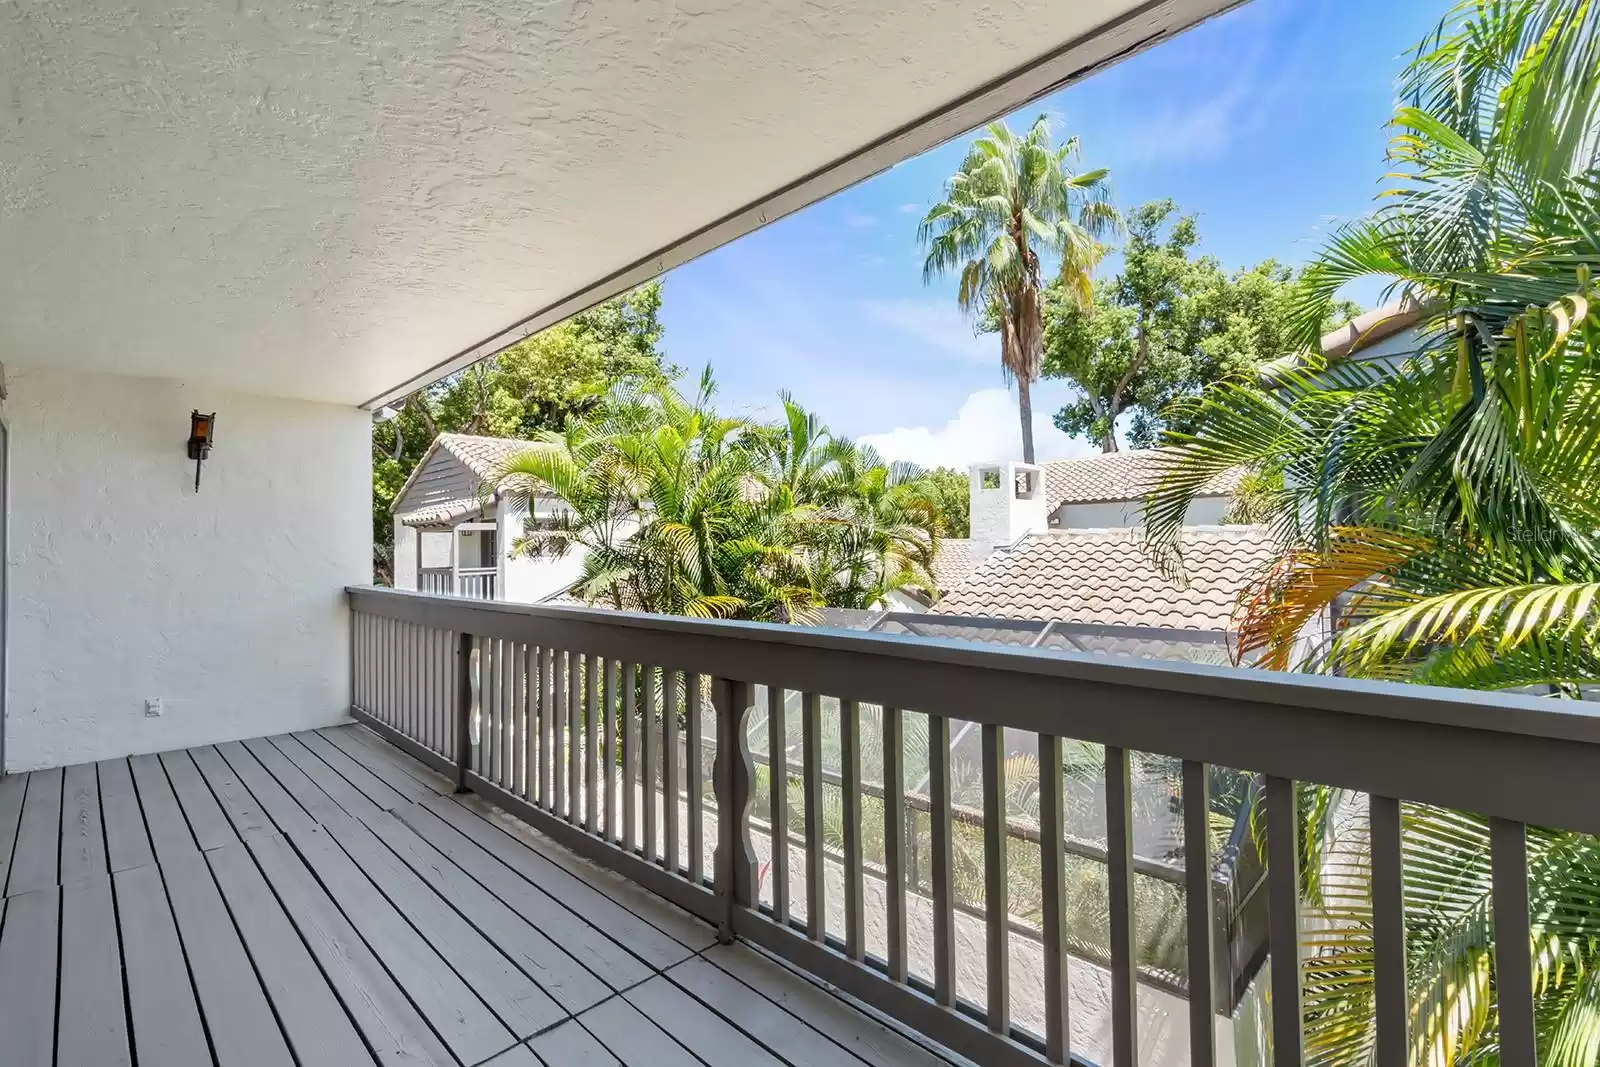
1506 755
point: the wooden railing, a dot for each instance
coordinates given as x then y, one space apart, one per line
563 717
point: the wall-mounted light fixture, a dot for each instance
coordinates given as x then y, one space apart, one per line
201 429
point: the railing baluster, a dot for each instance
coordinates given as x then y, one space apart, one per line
608 751
558 732
1053 878
630 759
524 720
1198 910
652 765
778 795
996 882
509 737
1388 932
461 709
408 678
942 870
536 713
894 838
1513 963
491 720
549 758
694 750
850 760
596 667
735 860
816 858
575 672
669 766
1119 872
1283 919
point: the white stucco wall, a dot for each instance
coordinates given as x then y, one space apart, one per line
125 584
1116 514
526 580
405 556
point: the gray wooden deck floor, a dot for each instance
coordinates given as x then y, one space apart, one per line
320 899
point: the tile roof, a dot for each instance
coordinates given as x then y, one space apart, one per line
447 512
953 561
483 456
1117 476
1104 577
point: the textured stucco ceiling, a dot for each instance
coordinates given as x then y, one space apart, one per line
325 200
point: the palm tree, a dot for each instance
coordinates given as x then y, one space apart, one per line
1445 513
1012 198
682 511
1447 507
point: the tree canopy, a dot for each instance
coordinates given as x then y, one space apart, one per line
1167 324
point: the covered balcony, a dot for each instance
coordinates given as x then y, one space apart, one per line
256 811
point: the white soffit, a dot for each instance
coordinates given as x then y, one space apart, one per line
337 201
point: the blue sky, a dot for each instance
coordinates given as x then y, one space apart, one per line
1268 122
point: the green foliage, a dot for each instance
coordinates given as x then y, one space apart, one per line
947 492
683 511
1445 508
1012 198
1168 324
539 383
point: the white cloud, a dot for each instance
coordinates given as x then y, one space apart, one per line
910 209
940 325
857 221
985 430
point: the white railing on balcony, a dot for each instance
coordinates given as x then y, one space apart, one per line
565 717
440 581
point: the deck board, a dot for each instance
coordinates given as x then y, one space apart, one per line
244 1032
284 810
83 842
697 1028
319 1031
589 945
210 827
391 771
94 1026
127 842
165 1016
634 1039
513 997
571 1046
569 983
35 864
335 904
28 978
641 938
389 1021
12 790
463 1021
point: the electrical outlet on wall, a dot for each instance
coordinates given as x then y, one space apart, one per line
154 708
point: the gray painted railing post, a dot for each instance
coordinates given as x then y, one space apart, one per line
733 772
463 716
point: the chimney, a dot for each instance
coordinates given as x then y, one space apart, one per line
1006 504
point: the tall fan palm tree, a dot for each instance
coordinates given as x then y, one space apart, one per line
1013 198
1446 513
